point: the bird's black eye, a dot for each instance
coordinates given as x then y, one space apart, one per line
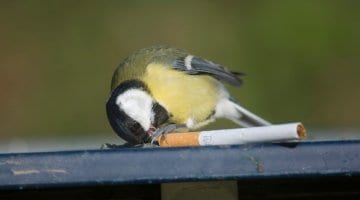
135 127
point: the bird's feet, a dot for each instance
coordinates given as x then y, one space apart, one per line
163 131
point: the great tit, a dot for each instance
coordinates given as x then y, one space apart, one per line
164 88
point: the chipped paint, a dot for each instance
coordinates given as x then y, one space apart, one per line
25 172
56 171
10 162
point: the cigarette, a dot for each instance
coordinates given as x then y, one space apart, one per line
273 133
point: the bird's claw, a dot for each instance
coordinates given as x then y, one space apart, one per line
163 131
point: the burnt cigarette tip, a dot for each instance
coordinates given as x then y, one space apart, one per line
301 131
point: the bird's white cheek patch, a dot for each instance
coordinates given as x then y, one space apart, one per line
137 104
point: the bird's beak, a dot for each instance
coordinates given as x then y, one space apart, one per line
151 131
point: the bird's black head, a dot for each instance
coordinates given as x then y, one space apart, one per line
133 113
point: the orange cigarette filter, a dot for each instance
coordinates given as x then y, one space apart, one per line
180 139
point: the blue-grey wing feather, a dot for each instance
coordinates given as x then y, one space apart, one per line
201 66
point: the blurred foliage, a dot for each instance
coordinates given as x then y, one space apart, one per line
57 57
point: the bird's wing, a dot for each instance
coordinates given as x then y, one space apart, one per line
194 65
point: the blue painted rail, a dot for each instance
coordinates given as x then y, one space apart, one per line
160 165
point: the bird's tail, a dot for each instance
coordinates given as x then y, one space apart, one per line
242 116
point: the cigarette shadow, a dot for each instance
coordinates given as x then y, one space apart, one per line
287 144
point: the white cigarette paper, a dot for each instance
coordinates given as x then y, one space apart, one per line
273 133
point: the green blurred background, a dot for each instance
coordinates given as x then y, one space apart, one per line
57 57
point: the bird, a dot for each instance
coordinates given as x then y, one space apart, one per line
161 89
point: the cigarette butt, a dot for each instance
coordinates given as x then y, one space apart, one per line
273 133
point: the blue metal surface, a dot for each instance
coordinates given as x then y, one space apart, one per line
158 165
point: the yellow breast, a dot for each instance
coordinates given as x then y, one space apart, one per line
184 96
